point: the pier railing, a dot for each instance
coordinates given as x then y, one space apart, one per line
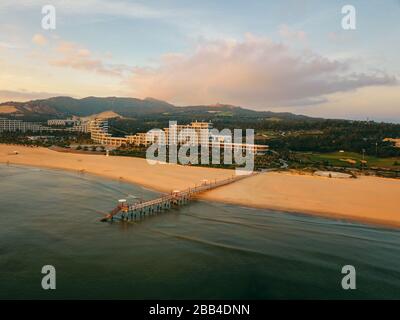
128 212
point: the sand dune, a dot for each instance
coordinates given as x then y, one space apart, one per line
368 199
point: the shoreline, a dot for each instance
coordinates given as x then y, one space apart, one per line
370 200
204 197
391 224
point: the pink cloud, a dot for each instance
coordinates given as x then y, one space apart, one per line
254 72
71 55
24 95
288 33
39 39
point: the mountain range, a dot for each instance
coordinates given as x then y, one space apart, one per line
59 107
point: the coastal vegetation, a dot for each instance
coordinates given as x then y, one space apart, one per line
60 139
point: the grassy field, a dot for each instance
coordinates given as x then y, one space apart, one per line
350 159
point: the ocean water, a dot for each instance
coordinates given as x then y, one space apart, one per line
200 251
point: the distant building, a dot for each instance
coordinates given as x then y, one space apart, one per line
63 122
396 141
98 129
11 125
83 127
75 124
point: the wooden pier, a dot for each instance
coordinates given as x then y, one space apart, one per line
136 211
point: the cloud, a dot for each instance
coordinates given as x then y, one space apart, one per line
91 7
288 33
71 55
39 39
6 45
380 103
23 95
254 72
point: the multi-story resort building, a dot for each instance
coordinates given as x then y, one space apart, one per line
82 127
98 129
12 125
198 133
74 124
63 122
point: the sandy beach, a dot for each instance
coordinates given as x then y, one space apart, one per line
368 199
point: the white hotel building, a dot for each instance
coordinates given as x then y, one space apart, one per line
11 125
198 133
62 122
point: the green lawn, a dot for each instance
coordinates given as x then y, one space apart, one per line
224 114
334 159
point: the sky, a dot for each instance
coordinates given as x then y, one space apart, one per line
289 55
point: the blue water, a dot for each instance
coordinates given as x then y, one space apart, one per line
204 250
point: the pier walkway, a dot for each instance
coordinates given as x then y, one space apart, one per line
130 212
